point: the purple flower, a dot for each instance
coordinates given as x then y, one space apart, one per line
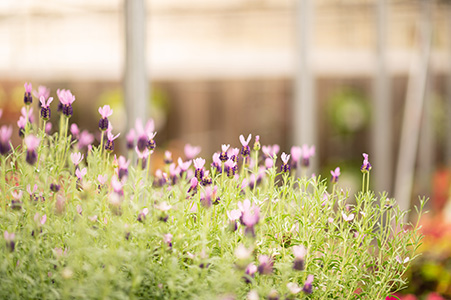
257 145
199 165
32 143
27 98
142 214
85 139
299 257
76 158
209 197
366 166
233 154
45 107
183 165
130 137
145 135
295 156
5 137
42 92
307 153
117 186
167 238
193 185
223 156
123 164
21 124
66 99
105 112
250 271
308 288
266 264
191 151
167 157
10 240
270 151
81 173
74 130
285 167
230 167
245 150
335 174
109 145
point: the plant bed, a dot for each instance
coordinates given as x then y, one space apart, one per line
80 223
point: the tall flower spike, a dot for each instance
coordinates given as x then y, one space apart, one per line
191 151
223 156
366 166
296 153
285 167
5 137
199 165
32 143
45 107
299 256
335 174
308 287
21 124
307 153
66 99
105 112
245 150
27 98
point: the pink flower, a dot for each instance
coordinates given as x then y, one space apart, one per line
5 137
234 214
28 87
191 151
347 218
308 288
105 111
285 158
30 191
245 142
42 92
366 166
167 238
45 103
335 174
183 165
22 122
199 163
76 158
81 173
32 142
85 139
130 137
307 153
266 264
65 97
102 179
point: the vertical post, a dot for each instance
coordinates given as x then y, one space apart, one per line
413 110
448 97
304 106
382 118
136 86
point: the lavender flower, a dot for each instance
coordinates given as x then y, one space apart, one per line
366 166
299 257
27 98
130 137
245 149
45 108
308 288
167 157
5 139
257 144
199 165
105 112
285 167
66 99
335 174
307 153
10 240
230 167
191 151
223 156
42 92
123 164
295 156
266 264
109 145
76 158
209 197
32 143
21 124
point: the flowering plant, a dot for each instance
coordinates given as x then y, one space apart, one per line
245 226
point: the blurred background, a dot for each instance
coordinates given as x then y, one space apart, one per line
348 76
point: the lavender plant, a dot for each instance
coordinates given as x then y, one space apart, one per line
79 222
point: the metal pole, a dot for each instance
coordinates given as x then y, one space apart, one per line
136 82
304 107
383 119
